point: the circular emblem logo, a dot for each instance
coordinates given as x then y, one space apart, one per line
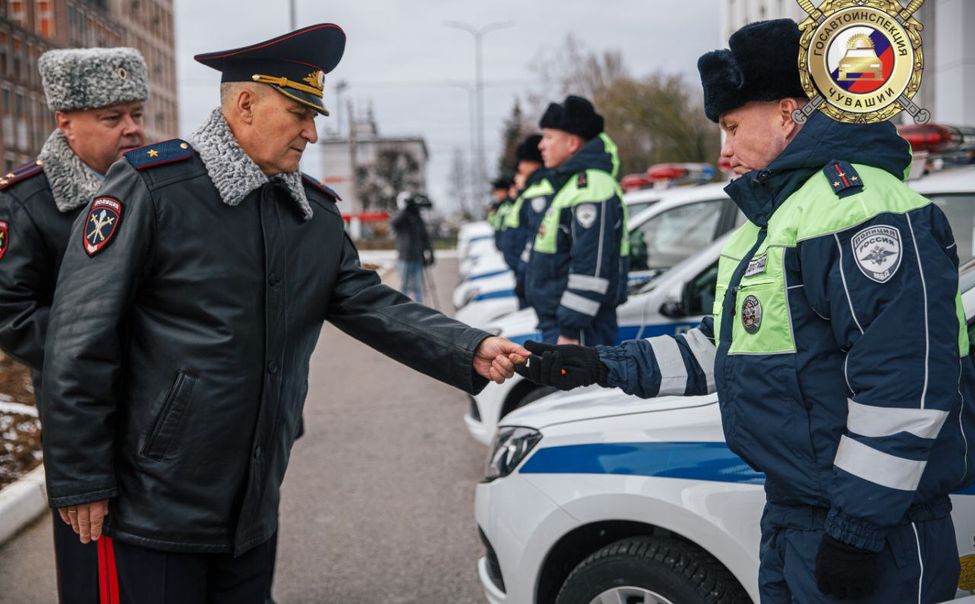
877 251
751 314
860 61
538 204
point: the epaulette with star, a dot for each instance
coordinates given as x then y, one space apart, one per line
159 154
582 181
318 185
21 174
843 178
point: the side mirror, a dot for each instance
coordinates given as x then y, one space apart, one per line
673 309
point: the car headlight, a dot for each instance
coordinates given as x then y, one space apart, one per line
510 447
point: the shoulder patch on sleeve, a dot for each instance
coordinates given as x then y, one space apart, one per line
4 237
582 180
843 178
320 187
166 152
21 174
877 251
101 224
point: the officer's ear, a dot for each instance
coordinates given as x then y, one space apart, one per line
784 110
64 124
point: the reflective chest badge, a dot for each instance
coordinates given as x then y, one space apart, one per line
586 215
4 237
877 251
751 314
538 204
756 266
101 224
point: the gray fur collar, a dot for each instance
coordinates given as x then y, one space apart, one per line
73 184
232 171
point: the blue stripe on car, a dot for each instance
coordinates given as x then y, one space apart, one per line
711 461
489 275
507 293
626 332
707 461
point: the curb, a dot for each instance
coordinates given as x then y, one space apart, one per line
21 502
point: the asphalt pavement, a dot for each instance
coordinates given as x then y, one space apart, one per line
378 501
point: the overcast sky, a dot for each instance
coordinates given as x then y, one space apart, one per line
401 58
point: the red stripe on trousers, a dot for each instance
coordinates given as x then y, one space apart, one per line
107 572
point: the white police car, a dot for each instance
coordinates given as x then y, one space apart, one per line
597 496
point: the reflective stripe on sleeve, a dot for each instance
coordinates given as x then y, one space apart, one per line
579 304
869 420
704 353
673 371
878 467
588 283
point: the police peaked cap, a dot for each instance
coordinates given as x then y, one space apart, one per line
575 115
528 149
761 65
294 64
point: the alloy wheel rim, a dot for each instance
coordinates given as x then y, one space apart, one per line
630 595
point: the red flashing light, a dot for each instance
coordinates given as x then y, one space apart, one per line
937 138
635 182
661 172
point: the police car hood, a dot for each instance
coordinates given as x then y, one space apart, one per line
593 402
821 140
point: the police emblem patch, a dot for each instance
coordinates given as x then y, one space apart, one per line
877 251
751 314
101 224
538 204
586 215
4 238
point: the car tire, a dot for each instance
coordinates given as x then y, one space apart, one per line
660 569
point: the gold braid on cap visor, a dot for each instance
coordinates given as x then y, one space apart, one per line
285 82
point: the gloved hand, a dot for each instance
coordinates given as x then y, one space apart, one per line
843 571
428 259
564 367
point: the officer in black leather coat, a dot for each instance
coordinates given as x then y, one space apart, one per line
189 303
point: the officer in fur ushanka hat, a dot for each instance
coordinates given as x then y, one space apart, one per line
576 273
837 346
97 96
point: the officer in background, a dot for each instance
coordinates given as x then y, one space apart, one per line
498 209
838 344
576 274
413 247
191 296
97 96
524 216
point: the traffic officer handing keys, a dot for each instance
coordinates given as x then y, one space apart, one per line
97 95
190 300
838 345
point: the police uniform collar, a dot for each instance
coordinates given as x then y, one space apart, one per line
294 64
234 174
73 183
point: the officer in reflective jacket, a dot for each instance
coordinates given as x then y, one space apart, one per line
97 96
837 346
522 219
191 296
576 274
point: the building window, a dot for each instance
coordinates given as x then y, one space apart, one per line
44 18
18 12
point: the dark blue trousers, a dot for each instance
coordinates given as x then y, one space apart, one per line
918 565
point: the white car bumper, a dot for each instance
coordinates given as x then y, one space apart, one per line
521 524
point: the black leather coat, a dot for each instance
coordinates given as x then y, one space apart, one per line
178 354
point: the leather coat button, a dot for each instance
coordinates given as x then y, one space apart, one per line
272 367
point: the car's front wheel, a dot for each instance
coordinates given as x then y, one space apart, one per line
650 570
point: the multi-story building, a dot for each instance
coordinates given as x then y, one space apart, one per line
948 84
28 28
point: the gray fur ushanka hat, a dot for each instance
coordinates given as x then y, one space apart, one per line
89 78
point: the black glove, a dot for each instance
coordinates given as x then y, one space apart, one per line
843 571
564 367
428 258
